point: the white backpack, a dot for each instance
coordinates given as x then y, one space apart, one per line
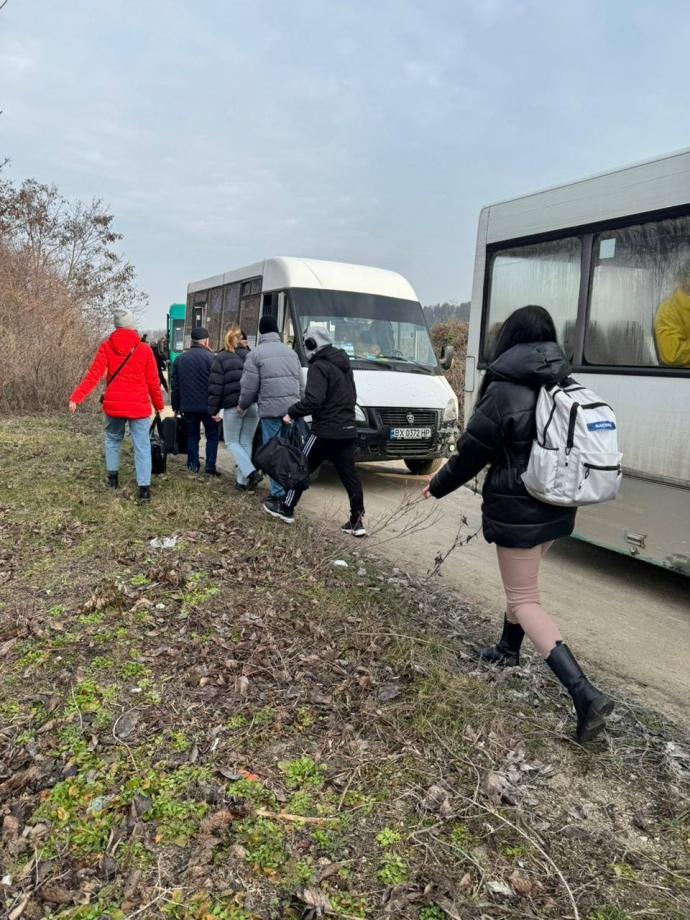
575 458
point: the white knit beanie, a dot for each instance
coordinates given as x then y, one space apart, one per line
123 319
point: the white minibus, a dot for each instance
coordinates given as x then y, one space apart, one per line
609 257
406 409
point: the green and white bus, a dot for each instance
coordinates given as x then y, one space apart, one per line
176 316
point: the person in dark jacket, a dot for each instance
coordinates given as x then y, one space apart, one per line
329 397
223 395
500 434
189 396
272 379
161 365
131 387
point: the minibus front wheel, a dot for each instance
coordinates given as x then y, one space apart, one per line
421 466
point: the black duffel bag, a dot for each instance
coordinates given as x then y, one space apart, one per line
159 454
282 459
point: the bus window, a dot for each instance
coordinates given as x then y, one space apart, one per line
288 330
639 311
177 335
231 305
547 274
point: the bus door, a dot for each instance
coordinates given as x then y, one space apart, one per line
275 304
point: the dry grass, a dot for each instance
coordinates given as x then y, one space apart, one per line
235 728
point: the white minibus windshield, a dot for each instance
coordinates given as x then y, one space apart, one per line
372 329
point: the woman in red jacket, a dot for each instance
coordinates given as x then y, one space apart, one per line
131 386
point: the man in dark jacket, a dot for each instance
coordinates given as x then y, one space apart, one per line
189 395
329 398
161 364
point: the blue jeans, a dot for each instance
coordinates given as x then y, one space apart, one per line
238 431
193 422
139 433
270 427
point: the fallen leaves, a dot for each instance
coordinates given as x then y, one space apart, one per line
126 724
437 800
20 780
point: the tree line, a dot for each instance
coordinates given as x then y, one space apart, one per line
448 311
60 277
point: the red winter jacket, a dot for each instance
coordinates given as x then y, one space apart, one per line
136 386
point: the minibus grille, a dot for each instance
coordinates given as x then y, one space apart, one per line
408 418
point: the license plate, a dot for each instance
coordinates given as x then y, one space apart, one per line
410 434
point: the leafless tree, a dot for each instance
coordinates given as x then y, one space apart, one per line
72 241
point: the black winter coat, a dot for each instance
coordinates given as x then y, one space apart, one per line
189 380
224 380
500 432
329 395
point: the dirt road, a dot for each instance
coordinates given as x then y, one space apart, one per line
626 618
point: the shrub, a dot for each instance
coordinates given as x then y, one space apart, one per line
453 333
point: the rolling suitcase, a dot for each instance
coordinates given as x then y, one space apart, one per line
159 455
170 436
181 436
175 434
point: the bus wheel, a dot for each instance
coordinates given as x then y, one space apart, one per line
422 467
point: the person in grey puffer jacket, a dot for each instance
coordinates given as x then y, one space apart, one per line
271 378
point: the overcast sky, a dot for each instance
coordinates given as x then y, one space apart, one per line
372 131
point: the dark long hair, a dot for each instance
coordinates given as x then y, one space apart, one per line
525 325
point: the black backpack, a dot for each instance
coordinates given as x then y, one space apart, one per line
159 454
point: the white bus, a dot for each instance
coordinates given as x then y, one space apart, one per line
406 409
602 255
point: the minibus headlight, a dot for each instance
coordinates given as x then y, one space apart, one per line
360 415
450 413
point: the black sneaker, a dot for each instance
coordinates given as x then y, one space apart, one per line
113 480
144 493
239 487
356 529
253 480
279 510
211 473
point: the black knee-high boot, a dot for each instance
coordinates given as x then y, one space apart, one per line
506 652
591 705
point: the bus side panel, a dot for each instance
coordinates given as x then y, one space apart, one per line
653 418
648 520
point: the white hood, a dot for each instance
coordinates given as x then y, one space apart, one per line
402 390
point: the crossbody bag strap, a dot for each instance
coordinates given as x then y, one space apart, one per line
108 382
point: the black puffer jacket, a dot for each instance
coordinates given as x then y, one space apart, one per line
189 380
329 395
224 380
500 432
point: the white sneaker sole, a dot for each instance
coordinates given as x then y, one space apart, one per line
361 532
278 515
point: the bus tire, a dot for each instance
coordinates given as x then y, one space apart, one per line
422 467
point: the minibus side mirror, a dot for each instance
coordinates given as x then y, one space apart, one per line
446 357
